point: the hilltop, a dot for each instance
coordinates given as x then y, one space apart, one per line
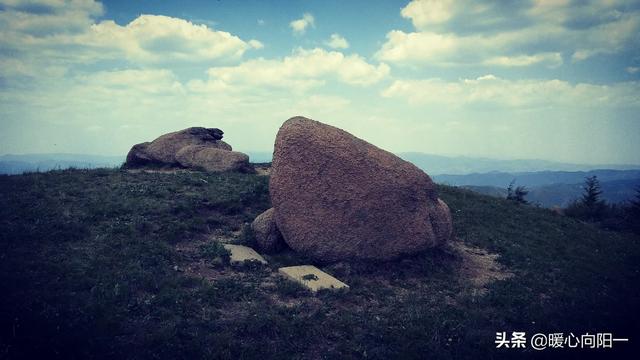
113 263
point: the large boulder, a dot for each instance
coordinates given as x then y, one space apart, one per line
266 232
212 159
165 148
198 148
337 197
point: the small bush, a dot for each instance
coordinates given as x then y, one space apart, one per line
214 250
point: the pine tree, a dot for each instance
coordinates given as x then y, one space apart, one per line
517 194
510 193
634 212
591 200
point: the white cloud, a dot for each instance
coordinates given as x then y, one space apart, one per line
156 38
337 42
404 47
606 38
44 17
256 44
300 26
451 49
551 59
484 33
530 93
427 12
65 32
632 69
302 70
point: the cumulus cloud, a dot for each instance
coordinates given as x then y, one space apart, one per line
492 90
551 59
513 34
66 32
302 70
300 26
44 17
156 38
451 49
428 12
336 41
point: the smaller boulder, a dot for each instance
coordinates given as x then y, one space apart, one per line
213 159
441 222
266 232
138 156
165 148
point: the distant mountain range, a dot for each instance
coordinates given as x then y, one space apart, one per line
614 192
457 165
551 188
17 164
549 183
535 179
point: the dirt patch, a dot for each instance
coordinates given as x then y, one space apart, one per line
479 267
203 270
194 264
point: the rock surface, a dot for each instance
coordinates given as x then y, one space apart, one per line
212 159
337 197
194 147
266 232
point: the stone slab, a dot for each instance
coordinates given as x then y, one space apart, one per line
312 278
238 254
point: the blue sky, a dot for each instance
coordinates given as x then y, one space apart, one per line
546 79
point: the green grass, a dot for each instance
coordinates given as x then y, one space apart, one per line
91 266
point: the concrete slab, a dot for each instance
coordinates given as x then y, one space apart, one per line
238 254
312 278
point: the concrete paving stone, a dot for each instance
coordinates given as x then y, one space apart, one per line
238 254
312 278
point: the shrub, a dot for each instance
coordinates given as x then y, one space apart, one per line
517 194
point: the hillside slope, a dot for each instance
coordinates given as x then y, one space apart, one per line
116 264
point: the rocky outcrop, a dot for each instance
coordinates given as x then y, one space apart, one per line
195 147
337 197
266 232
212 159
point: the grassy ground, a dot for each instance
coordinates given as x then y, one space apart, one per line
117 264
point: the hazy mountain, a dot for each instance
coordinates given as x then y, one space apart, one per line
488 190
615 192
17 164
454 165
437 165
535 179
